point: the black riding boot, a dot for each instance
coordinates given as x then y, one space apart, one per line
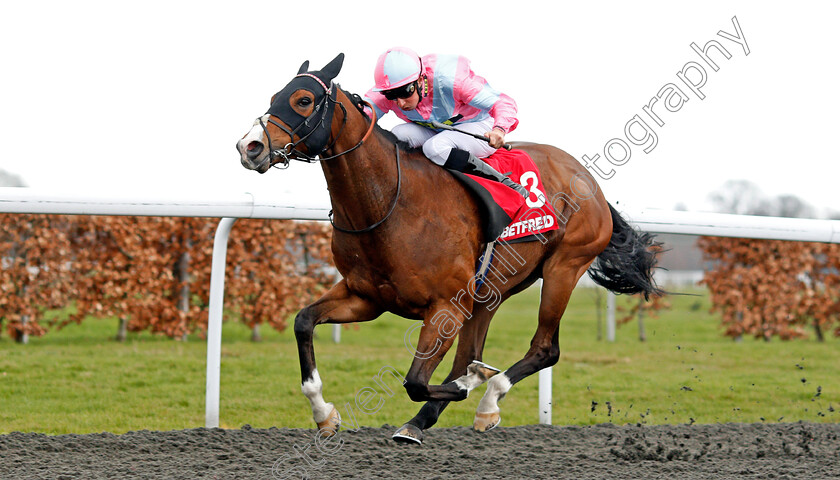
466 162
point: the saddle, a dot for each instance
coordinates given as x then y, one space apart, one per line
505 214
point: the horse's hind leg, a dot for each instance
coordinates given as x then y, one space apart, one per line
338 305
558 284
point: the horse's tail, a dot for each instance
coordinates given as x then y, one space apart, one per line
626 265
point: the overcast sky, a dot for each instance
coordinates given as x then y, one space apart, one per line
152 96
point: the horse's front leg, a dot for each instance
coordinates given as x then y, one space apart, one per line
338 305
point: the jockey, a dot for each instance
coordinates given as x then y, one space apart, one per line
443 88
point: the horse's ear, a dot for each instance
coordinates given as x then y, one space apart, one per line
331 70
304 68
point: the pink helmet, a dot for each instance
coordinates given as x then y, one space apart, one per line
396 67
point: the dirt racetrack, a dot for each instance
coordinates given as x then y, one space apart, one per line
607 451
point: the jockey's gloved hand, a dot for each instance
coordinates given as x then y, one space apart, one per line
496 137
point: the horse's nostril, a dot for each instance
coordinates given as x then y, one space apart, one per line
253 149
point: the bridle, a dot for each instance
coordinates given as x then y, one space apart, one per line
323 108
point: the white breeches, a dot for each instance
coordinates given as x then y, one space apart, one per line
437 145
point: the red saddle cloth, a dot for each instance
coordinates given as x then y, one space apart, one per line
508 215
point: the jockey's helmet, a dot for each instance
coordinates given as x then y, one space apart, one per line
397 67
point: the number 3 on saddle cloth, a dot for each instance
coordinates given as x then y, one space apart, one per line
504 213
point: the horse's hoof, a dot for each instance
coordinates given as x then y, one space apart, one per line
410 434
484 422
482 369
329 426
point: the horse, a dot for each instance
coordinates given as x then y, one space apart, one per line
407 238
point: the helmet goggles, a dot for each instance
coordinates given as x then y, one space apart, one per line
404 91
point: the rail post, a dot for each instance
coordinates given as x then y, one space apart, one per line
214 322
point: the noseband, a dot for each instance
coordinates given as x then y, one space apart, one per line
320 114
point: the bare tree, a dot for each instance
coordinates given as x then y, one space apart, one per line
793 207
743 197
10 180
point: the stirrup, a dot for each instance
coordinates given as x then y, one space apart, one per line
484 263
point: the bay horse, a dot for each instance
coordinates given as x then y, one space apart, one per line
407 237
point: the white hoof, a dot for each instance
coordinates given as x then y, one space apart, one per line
484 422
329 426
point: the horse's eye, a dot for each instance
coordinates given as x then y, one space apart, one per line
304 101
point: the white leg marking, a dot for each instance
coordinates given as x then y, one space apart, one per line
475 377
497 387
312 390
469 381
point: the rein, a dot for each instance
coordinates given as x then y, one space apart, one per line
390 211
